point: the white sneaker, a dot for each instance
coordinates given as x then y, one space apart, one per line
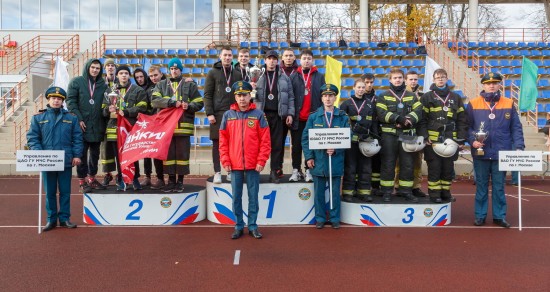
296 175
217 178
308 178
228 177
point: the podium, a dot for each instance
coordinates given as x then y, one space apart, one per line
144 207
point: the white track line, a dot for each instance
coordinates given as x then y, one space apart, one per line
237 257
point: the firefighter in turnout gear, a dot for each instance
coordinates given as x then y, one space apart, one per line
444 118
130 101
176 92
357 169
398 113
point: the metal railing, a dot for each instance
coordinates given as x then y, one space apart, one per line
19 130
497 34
12 100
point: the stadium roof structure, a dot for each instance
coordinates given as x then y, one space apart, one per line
244 4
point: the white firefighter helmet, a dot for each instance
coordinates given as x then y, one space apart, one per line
369 147
446 149
414 145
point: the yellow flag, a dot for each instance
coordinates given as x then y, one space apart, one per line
333 74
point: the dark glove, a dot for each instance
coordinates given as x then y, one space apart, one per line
401 120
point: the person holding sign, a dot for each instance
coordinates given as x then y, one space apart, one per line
56 129
245 145
494 126
327 116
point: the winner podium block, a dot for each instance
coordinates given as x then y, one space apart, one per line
144 207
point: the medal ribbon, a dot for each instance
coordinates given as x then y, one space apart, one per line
443 101
174 89
227 80
329 122
358 108
121 100
245 74
399 98
491 108
91 89
304 76
270 82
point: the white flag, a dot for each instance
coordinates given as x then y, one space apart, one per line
431 66
61 75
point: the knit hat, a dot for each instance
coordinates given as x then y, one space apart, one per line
109 61
123 68
175 62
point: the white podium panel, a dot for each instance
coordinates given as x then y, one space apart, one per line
144 208
396 214
284 203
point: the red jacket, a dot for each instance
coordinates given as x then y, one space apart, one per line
244 138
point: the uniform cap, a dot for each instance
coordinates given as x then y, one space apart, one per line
241 87
491 77
56 91
329 89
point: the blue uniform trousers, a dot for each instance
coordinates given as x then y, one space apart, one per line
53 179
253 186
483 170
320 185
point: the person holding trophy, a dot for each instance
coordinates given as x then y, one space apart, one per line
494 126
274 97
127 100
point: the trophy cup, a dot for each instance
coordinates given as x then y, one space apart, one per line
481 136
112 99
255 73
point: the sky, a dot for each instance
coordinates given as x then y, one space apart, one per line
516 14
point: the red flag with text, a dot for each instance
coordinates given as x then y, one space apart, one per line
150 137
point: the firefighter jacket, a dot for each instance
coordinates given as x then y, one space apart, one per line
362 115
168 92
131 99
444 116
392 112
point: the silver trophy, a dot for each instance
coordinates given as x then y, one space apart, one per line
255 73
112 99
481 136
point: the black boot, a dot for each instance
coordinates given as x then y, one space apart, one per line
446 196
274 177
435 196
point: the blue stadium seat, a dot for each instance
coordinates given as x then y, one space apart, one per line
323 45
182 53
254 52
164 70
400 53
503 53
379 71
206 69
344 93
544 83
384 62
537 62
197 122
356 71
325 52
540 107
418 63
385 82
506 70
545 52
166 61
374 62
192 140
379 52
303 45
171 52
211 61
390 53
347 53
546 63
459 92
108 53
406 63
337 53
244 44
348 82
494 53
135 62
122 61
541 122
321 70
287 141
353 45
367 70
191 52
283 45
493 62
351 62
319 62
368 52
119 53
188 61
536 53
333 45
362 63
206 122
516 71
212 52
346 71
482 53
202 52
205 141
313 45
274 45
196 70
515 63
129 53
264 44
363 45
160 52
504 63
199 62
541 71
515 53
253 45
316 53
395 63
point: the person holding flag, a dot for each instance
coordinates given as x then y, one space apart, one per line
130 100
178 92
327 116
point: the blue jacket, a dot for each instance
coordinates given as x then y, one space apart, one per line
51 131
315 121
503 132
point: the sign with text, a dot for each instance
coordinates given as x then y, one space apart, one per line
40 160
520 160
330 138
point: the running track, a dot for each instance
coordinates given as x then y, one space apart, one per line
460 257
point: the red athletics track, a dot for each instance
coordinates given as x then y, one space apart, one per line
460 257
